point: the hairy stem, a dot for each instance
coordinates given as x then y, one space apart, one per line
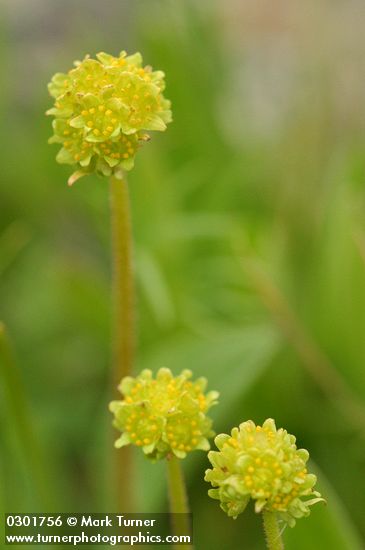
272 531
178 500
122 326
20 416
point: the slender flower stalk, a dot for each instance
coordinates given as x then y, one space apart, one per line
179 507
102 110
123 338
123 280
272 531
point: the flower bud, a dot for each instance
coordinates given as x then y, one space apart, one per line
103 108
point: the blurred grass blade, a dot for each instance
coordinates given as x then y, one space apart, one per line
359 239
153 283
12 241
312 357
19 416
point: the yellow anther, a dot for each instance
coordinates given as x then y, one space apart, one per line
146 441
92 110
101 108
110 129
108 112
125 155
90 124
96 132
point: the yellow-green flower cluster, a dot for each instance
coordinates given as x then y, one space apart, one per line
102 109
263 464
165 414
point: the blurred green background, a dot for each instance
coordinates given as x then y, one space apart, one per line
249 227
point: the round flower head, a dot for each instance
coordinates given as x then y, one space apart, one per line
103 108
164 415
263 464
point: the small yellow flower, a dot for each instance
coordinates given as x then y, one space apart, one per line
102 109
263 464
164 415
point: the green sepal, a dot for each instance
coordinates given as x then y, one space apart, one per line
123 441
